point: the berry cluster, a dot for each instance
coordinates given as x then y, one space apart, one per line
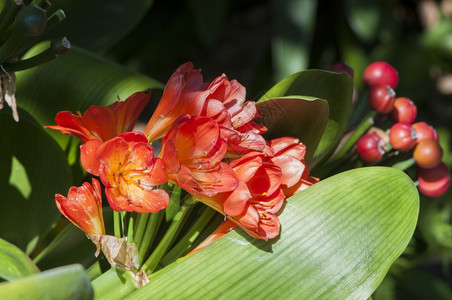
404 135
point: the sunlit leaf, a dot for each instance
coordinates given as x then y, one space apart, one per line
68 282
14 263
338 240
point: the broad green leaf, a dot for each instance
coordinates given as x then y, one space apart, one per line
336 88
74 82
68 282
338 239
302 117
98 25
14 263
294 23
34 168
363 18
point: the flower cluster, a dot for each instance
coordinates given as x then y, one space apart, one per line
211 147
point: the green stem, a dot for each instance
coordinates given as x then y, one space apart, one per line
56 48
12 43
41 3
151 231
188 239
140 225
7 16
114 284
61 236
152 262
117 224
130 227
365 124
94 271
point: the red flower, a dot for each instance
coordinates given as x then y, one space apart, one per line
226 104
184 94
129 171
222 100
192 152
103 122
83 207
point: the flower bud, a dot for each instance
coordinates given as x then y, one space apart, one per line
380 72
381 98
31 20
370 147
435 181
402 136
404 110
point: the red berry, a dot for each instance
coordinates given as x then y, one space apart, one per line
424 132
380 72
342 67
371 147
404 110
402 136
435 181
381 98
427 153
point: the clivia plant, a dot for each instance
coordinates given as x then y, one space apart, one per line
194 189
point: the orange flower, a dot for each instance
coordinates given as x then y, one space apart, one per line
289 156
103 122
129 171
227 105
192 152
83 207
184 94
222 100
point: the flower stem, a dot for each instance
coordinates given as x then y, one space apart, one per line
55 242
117 224
130 227
140 225
187 240
365 124
151 231
57 47
7 16
114 284
12 43
152 262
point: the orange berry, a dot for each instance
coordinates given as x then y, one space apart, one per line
427 153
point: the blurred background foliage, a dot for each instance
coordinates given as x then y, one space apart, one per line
260 42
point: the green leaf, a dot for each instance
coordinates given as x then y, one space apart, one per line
34 168
338 240
336 88
98 25
68 282
14 263
303 118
